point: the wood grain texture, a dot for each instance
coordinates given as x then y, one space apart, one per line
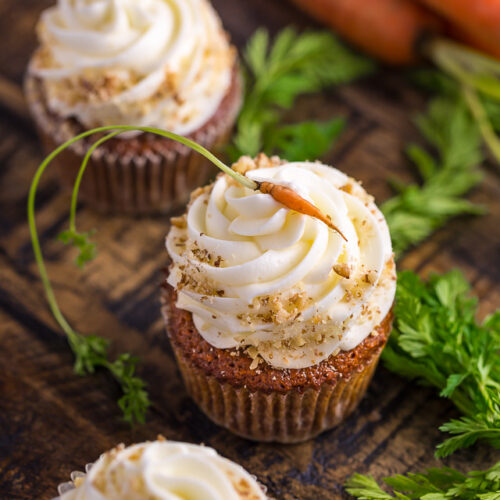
52 422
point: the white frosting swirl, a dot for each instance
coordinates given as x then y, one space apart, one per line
161 63
165 470
254 273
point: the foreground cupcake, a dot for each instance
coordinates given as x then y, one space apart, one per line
162 470
277 322
155 63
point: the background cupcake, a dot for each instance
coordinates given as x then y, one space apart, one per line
159 63
162 470
276 321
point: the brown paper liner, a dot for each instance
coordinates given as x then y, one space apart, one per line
292 417
144 175
288 414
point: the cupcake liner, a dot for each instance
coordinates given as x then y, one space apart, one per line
70 485
156 176
292 417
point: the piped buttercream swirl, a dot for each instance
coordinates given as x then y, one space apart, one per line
165 470
280 284
160 63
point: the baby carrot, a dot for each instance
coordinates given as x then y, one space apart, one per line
294 201
390 30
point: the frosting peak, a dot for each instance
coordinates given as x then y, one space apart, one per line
163 63
280 284
165 470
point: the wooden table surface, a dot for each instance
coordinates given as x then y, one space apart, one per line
53 422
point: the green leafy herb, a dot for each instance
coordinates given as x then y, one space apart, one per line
478 79
437 341
87 249
91 351
437 82
419 209
275 76
436 484
304 140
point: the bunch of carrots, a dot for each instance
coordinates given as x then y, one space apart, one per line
396 31
461 37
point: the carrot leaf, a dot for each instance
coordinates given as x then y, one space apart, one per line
306 140
276 75
435 484
477 77
436 340
87 249
417 210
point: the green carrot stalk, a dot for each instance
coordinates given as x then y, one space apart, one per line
91 351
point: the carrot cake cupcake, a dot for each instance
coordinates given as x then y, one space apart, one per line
155 63
162 470
277 322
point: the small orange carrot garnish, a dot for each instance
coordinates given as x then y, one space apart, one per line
293 201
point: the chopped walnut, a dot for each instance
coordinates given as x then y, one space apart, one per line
179 222
343 270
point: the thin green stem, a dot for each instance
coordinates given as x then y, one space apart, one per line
78 181
475 72
477 110
36 242
467 66
245 181
36 179
90 350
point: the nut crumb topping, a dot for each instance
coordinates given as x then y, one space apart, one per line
343 270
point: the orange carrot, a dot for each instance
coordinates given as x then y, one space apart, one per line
477 21
390 30
293 201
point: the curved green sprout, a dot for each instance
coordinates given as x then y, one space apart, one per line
90 350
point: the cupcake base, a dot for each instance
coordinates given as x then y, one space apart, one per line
269 404
145 174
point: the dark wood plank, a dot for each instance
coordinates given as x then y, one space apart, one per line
52 422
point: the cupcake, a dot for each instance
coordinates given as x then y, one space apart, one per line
162 470
155 63
276 321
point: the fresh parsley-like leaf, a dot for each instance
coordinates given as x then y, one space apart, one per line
91 352
87 249
276 74
305 140
437 341
135 399
436 484
365 488
419 209
436 82
484 108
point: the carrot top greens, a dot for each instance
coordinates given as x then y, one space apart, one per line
417 210
276 74
91 351
477 76
436 340
435 484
